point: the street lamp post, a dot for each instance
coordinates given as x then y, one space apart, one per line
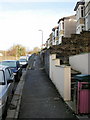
42 38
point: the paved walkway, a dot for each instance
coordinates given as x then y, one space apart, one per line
40 98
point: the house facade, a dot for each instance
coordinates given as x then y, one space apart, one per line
74 24
55 35
47 43
50 40
82 9
67 26
87 15
80 16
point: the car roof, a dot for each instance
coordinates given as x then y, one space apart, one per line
2 67
9 60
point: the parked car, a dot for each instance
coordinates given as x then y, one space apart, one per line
15 67
23 62
24 57
6 86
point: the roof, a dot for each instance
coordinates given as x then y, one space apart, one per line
56 27
78 3
2 67
50 34
68 17
48 39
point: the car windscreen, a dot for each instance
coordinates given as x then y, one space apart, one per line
22 60
1 77
9 63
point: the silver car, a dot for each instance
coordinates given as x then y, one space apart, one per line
6 86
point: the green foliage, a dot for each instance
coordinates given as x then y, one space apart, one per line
17 50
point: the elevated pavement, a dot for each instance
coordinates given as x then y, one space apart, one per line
40 99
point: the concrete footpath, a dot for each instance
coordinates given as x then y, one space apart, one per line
13 110
40 99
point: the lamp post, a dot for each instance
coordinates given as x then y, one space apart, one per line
42 38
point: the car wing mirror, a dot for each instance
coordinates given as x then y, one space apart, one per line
10 80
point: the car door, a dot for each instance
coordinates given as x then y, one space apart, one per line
13 78
19 70
9 85
3 92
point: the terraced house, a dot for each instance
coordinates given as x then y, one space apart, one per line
67 26
62 30
49 41
82 9
71 25
87 15
55 35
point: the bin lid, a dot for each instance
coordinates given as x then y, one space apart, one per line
82 77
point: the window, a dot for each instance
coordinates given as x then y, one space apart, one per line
89 21
10 72
77 14
9 63
57 33
1 76
82 28
82 11
23 60
57 42
7 74
59 26
63 25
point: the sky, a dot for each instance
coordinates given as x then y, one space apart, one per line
21 20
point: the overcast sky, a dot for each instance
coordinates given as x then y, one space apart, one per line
20 21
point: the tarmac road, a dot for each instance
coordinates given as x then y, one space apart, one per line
40 99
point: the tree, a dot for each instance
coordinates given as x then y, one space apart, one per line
35 50
17 50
